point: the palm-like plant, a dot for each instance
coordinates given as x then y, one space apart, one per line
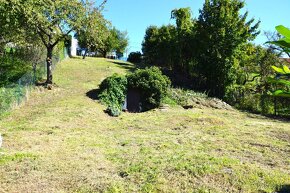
282 73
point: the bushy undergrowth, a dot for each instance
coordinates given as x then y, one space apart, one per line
182 96
11 69
150 82
113 93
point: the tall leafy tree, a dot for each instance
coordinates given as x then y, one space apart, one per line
11 28
116 41
185 31
160 46
51 20
94 31
220 31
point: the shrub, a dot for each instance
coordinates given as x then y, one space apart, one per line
135 57
113 93
11 69
152 84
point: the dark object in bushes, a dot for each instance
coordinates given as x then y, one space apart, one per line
149 86
135 57
133 101
152 84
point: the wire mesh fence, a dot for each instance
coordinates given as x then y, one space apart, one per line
14 94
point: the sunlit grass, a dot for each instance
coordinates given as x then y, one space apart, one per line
62 141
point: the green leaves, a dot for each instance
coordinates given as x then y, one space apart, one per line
283 31
283 70
282 77
281 93
283 42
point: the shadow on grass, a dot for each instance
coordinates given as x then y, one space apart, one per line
93 94
257 115
126 66
283 189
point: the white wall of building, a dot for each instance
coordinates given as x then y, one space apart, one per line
74 46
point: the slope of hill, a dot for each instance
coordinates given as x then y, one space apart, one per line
62 141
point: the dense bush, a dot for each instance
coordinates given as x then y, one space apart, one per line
152 84
11 69
113 93
135 57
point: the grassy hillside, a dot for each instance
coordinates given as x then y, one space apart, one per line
62 141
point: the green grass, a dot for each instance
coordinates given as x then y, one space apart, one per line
62 141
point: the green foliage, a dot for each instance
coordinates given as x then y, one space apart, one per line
135 57
185 28
152 84
220 32
94 30
171 46
113 92
116 41
282 77
184 97
252 67
159 46
206 49
11 69
51 21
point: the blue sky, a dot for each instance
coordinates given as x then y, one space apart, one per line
134 16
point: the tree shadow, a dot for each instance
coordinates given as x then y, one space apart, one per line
181 80
283 189
124 65
93 94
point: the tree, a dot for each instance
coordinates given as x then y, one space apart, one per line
51 20
116 41
135 57
12 30
94 30
220 31
160 47
185 33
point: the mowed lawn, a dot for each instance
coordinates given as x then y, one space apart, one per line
62 141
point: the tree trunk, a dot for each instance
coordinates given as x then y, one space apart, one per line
104 54
85 54
49 65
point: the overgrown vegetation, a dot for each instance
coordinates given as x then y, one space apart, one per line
150 82
282 77
135 57
113 93
214 54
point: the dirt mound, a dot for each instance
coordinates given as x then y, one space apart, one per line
189 99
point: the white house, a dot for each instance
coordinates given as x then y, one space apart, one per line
74 46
